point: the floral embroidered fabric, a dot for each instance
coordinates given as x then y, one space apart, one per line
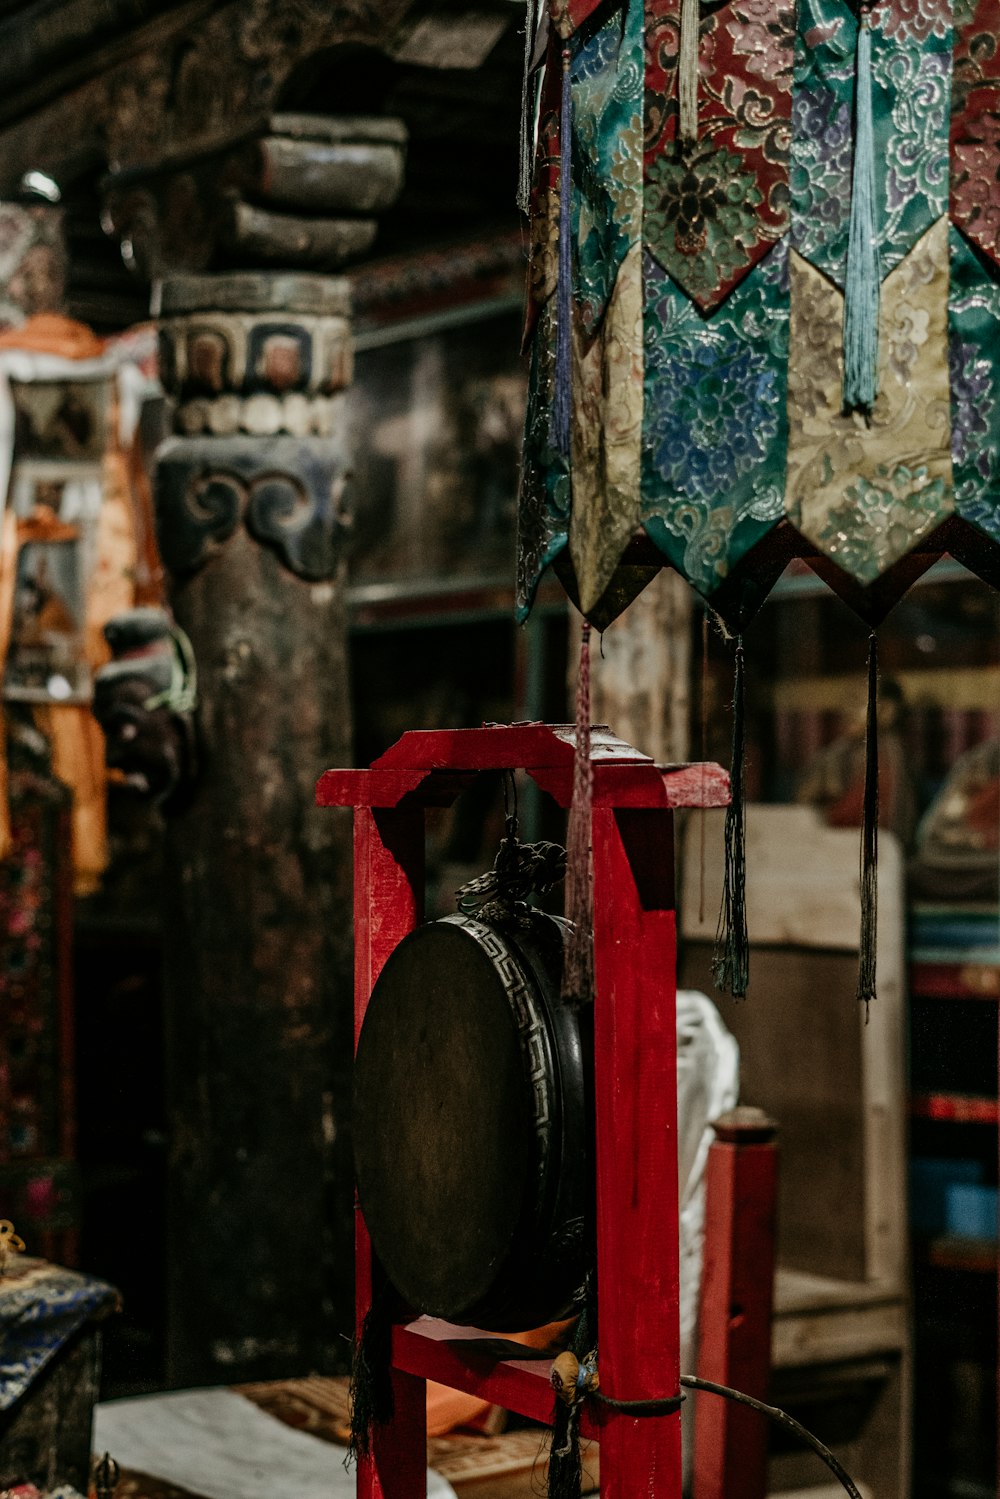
975 124
708 280
866 491
543 509
715 208
911 77
606 80
713 456
974 339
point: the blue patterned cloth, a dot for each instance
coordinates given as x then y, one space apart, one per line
41 1306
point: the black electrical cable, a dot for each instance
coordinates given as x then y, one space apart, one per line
782 1418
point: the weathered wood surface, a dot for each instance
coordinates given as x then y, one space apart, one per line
193 213
256 291
349 175
257 903
640 672
135 96
254 234
842 1106
45 1437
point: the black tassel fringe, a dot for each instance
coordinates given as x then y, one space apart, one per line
565 1463
372 1402
731 960
869 838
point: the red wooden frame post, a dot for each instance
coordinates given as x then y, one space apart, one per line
635 1084
388 903
741 1195
635 1046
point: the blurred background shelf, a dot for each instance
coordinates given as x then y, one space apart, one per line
954 1108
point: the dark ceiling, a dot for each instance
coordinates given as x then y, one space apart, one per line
461 162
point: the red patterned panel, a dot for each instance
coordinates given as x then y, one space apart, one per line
975 128
714 208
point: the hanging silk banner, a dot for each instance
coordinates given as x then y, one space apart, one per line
780 260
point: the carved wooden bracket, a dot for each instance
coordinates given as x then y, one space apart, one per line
289 493
303 190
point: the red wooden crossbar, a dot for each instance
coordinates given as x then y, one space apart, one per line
434 766
435 1350
635 1083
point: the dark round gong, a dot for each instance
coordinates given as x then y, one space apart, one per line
470 1123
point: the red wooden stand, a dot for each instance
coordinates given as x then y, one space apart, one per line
635 1086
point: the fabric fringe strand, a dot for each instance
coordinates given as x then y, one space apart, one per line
687 72
372 1402
731 961
869 838
527 157
565 1464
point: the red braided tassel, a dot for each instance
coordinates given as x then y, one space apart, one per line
578 974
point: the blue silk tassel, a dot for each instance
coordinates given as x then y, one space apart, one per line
862 283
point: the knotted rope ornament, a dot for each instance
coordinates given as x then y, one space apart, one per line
573 1380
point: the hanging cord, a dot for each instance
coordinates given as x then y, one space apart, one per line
372 1401
577 1380
562 401
731 959
863 277
782 1418
702 815
869 838
527 155
578 970
687 73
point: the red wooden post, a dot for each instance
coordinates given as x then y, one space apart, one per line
388 903
736 1302
635 1046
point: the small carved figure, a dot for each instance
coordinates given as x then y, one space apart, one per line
144 700
9 1240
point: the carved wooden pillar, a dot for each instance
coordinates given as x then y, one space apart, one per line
258 889
250 497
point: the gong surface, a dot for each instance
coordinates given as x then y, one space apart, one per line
447 1112
473 1122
